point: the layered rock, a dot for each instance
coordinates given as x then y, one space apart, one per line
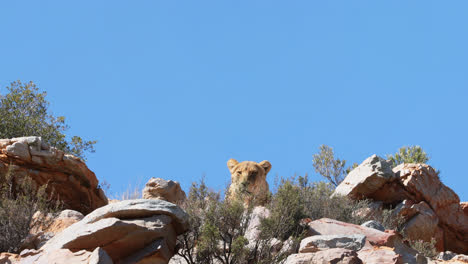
131 231
67 177
430 209
364 244
249 178
157 188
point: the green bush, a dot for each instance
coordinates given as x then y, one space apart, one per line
24 112
19 201
411 154
427 249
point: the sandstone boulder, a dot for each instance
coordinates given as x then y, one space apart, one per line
374 224
157 188
429 208
334 255
367 178
423 184
326 226
131 231
249 178
97 256
66 176
316 243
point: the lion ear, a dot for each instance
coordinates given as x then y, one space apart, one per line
231 164
266 165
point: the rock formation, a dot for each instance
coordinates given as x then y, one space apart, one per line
332 241
66 176
131 231
430 209
157 188
249 178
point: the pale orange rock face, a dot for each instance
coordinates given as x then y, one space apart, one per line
249 177
431 209
157 188
67 176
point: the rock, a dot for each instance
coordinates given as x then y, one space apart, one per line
326 226
66 176
459 259
374 224
157 188
447 255
44 227
381 255
316 243
129 231
8 258
423 225
428 207
252 232
249 177
334 255
372 211
423 185
367 178
464 207
98 256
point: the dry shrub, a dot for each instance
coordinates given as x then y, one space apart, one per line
19 201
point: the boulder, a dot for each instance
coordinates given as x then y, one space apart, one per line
97 256
157 188
326 226
333 255
252 232
67 177
374 224
316 243
428 207
369 177
381 255
44 227
464 207
130 231
423 184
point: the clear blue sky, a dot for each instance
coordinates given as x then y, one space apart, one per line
174 89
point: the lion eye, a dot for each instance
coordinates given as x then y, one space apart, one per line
254 174
239 172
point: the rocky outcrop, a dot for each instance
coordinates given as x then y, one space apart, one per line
334 255
430 209
357 244
249 178
130 231
47 226
67 177
157 188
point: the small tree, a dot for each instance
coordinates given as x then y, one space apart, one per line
326 165
411 154
24 112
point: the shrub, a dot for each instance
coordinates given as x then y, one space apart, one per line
19 201
24 112
411 154
427 249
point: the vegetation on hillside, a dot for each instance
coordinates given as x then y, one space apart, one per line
20 200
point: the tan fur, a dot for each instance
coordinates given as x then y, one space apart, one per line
251 177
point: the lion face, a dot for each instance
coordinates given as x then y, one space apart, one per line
251 177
